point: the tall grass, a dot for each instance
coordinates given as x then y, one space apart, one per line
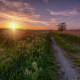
72 38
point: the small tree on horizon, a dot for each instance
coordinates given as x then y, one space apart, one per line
62 26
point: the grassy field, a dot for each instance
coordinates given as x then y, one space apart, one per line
26 55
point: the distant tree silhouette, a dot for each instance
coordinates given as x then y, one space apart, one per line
62 26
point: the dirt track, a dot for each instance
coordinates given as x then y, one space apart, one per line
68 72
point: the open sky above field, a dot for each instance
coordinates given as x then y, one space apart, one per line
39 14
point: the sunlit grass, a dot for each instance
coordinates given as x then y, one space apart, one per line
30 59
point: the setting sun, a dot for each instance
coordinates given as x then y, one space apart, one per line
13 26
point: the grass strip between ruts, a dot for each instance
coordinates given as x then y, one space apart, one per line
72 52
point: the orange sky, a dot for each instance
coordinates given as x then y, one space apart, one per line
24 25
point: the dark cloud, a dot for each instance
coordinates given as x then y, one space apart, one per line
77 10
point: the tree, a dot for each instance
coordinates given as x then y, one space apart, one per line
61 26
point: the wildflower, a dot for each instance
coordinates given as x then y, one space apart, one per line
26 71
41 52
20 41
41 69
34 65
38 50
39 56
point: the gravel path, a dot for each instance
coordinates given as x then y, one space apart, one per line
69 73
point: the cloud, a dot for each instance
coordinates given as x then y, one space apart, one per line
66 12
14 9
51 22
45 1
10 0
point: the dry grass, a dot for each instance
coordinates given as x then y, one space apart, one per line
73 32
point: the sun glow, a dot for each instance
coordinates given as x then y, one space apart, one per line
13 26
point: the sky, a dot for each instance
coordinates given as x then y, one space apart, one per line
39 14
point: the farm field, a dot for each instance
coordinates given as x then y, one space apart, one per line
26 55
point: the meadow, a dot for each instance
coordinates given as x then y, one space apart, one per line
26 55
